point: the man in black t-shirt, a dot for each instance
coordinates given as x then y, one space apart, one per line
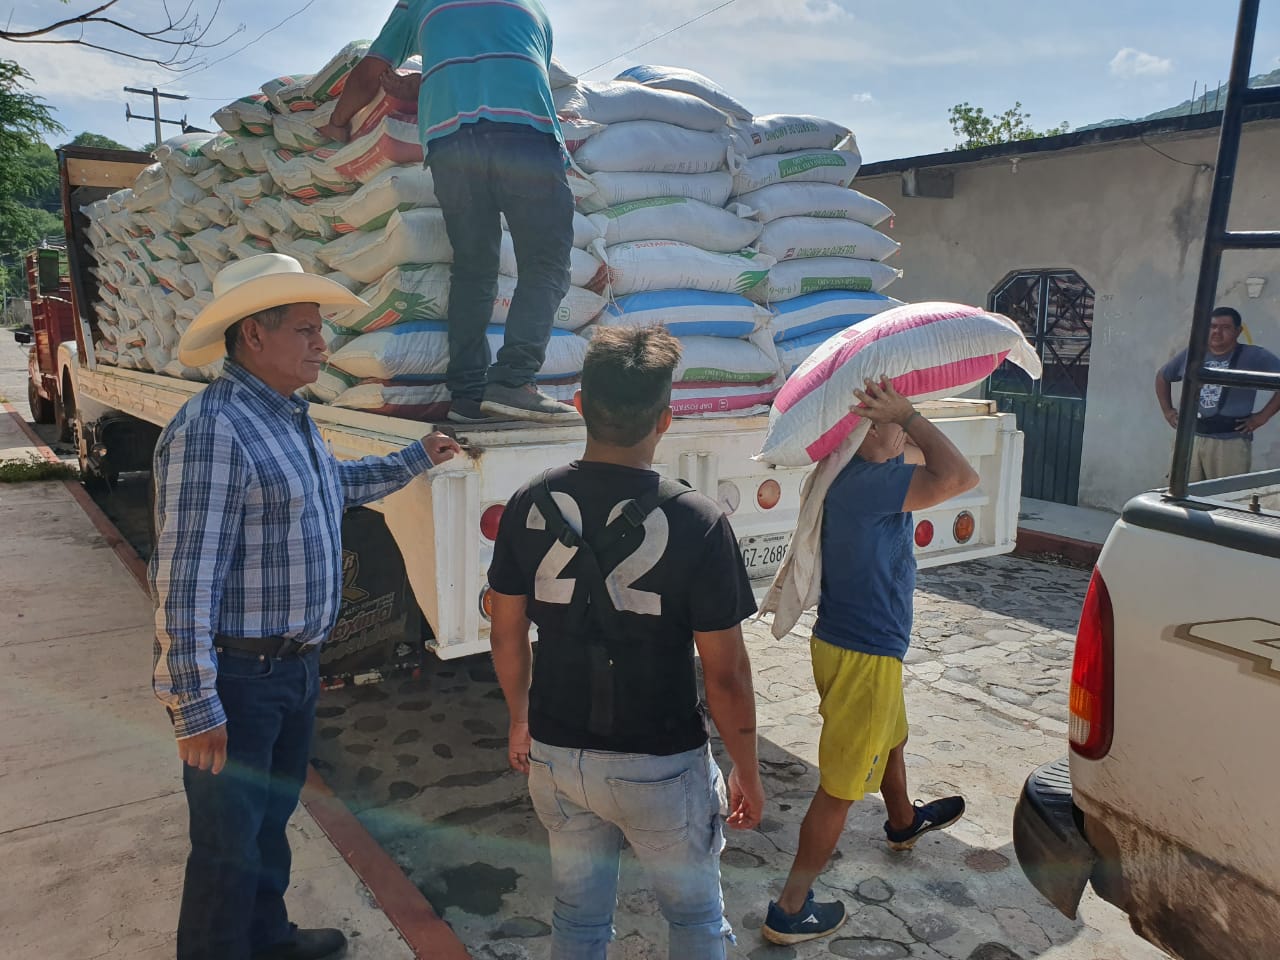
625 574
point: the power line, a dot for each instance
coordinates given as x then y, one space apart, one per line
301 10
660 36
1205 167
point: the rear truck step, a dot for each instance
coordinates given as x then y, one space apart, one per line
1049 840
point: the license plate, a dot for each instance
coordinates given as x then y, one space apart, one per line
763 555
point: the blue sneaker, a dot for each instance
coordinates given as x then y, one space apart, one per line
934 815
813 921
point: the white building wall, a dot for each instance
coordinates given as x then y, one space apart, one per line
1130 222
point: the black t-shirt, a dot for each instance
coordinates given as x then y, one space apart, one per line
685 575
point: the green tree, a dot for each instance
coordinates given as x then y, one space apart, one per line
977 128
26 176
97 140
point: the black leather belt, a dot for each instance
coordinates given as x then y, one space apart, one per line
275 648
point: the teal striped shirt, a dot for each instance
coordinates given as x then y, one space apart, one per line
481 60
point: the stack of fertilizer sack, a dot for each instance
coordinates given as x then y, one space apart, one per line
772 250
363 213
738 233
794 176
653 168
151 280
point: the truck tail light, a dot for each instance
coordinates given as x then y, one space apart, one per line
924 534
486 603
1093 674
964 527
769 494
489 521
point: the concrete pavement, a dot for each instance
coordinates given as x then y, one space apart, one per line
422 763
92 817
1056 529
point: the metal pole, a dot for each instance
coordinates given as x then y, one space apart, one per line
155 112
1214 242
155 95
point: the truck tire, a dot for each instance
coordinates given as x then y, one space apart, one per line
41 407
64 412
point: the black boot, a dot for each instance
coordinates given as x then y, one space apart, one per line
320 944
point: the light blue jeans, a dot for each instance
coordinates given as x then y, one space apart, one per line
670 809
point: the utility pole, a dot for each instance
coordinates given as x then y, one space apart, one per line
155 96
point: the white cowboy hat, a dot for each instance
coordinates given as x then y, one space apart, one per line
247 286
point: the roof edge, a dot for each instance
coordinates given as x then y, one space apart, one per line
1068 141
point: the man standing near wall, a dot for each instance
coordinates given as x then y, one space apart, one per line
492 141
1226 420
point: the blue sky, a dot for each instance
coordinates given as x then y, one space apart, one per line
890 71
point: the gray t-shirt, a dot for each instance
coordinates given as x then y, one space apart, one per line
1240 402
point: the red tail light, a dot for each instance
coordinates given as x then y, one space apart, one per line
769 494
1093 674
490 519
924 534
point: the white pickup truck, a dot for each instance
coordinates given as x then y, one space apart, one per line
436 535
1168 803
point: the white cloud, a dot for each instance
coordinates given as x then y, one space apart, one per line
862 98
75 73
1131 64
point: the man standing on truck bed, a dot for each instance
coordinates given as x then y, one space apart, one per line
1226 421
625 573
492 141
246 577
859 640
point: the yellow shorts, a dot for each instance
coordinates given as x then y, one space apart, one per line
864 716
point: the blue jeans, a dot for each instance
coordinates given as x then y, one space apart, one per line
480 171
238 870
670 809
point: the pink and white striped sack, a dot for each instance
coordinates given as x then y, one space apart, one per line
926 350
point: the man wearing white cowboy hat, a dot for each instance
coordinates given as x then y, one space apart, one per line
246 576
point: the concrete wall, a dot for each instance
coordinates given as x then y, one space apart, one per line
1130 222
16 313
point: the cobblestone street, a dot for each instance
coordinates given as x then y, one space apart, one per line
423 764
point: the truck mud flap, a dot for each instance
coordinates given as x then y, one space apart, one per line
379 628
1052 851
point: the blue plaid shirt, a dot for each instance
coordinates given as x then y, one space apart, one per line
249 505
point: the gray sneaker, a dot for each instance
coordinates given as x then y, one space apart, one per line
525 403
466 410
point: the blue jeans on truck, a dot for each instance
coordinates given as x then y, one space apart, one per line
238 870
479 171
670 809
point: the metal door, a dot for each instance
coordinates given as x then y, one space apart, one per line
1054 308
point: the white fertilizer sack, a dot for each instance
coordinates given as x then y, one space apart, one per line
794 278
827 200
804 166
792 238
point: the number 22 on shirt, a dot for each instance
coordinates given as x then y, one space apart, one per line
549 587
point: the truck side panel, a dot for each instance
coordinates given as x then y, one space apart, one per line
1197 680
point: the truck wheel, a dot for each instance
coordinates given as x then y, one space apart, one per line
64 413
41 407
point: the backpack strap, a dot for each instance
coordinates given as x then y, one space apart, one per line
633 515
594 601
